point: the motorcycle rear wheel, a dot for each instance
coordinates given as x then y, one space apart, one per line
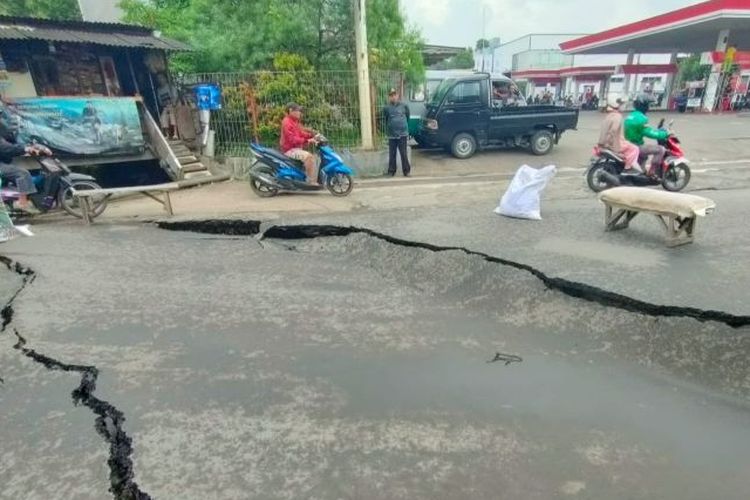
260 188
69 203
594 178
676 178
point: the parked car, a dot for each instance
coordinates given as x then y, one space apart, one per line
462 118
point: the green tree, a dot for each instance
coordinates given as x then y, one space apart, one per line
462 60
482 44
690 69
48 9
234 35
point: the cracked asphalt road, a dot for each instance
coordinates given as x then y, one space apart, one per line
354 368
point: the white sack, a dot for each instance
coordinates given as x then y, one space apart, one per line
521 200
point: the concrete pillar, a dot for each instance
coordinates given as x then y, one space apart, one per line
604 90
668 86
574 84
626 83
363 73
713 91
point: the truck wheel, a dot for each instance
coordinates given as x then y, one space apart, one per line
542 142
464 146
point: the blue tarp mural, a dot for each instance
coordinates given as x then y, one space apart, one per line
75 126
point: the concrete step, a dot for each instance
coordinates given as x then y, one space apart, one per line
197 180
193 167
202 174
187 160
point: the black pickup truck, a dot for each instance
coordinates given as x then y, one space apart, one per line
463 116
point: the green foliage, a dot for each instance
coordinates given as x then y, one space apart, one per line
48 9
293 80
330 104
238 35
482 44
691 69
462 60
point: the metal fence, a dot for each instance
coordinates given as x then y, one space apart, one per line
253 105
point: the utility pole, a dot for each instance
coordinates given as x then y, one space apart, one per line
484 36
363 73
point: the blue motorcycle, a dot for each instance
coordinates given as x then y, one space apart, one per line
273 172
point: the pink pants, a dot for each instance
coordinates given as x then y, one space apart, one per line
629 152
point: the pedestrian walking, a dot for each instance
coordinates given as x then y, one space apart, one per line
396 116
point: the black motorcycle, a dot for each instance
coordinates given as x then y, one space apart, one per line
68 184
608 169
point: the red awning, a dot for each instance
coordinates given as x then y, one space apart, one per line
692 29
536 74
591 71
645 69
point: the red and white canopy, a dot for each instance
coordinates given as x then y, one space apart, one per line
690 30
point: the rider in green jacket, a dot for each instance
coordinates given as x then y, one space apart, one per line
636 129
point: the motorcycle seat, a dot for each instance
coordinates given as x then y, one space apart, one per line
611 155
278 155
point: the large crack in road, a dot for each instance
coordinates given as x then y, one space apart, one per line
570 288
109 420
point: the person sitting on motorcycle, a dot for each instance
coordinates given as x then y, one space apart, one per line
613 138
636 129
9 149
294 137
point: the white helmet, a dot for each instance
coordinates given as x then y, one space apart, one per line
614 102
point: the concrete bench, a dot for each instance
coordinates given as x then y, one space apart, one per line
85 196
677 212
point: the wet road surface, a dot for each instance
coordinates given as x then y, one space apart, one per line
354 368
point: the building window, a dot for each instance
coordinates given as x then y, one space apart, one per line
45 74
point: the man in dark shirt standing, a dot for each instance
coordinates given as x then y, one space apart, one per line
396 116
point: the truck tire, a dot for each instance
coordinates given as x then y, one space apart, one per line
463 146
542 142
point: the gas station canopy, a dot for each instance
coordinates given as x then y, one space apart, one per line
693 29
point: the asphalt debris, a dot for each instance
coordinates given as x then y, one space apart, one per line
506 358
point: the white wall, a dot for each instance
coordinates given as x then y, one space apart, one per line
504 53
20 85
106 11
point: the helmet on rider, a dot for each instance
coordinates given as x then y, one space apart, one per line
642 103
614 102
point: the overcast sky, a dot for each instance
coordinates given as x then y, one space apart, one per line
459 22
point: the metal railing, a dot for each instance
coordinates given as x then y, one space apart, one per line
253 105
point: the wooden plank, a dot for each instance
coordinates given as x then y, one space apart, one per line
195 167
160 144
679 231
168 203
86 210
130 189
187 160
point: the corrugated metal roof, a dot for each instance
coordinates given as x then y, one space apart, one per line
115 35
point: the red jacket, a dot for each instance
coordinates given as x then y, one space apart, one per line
293 135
